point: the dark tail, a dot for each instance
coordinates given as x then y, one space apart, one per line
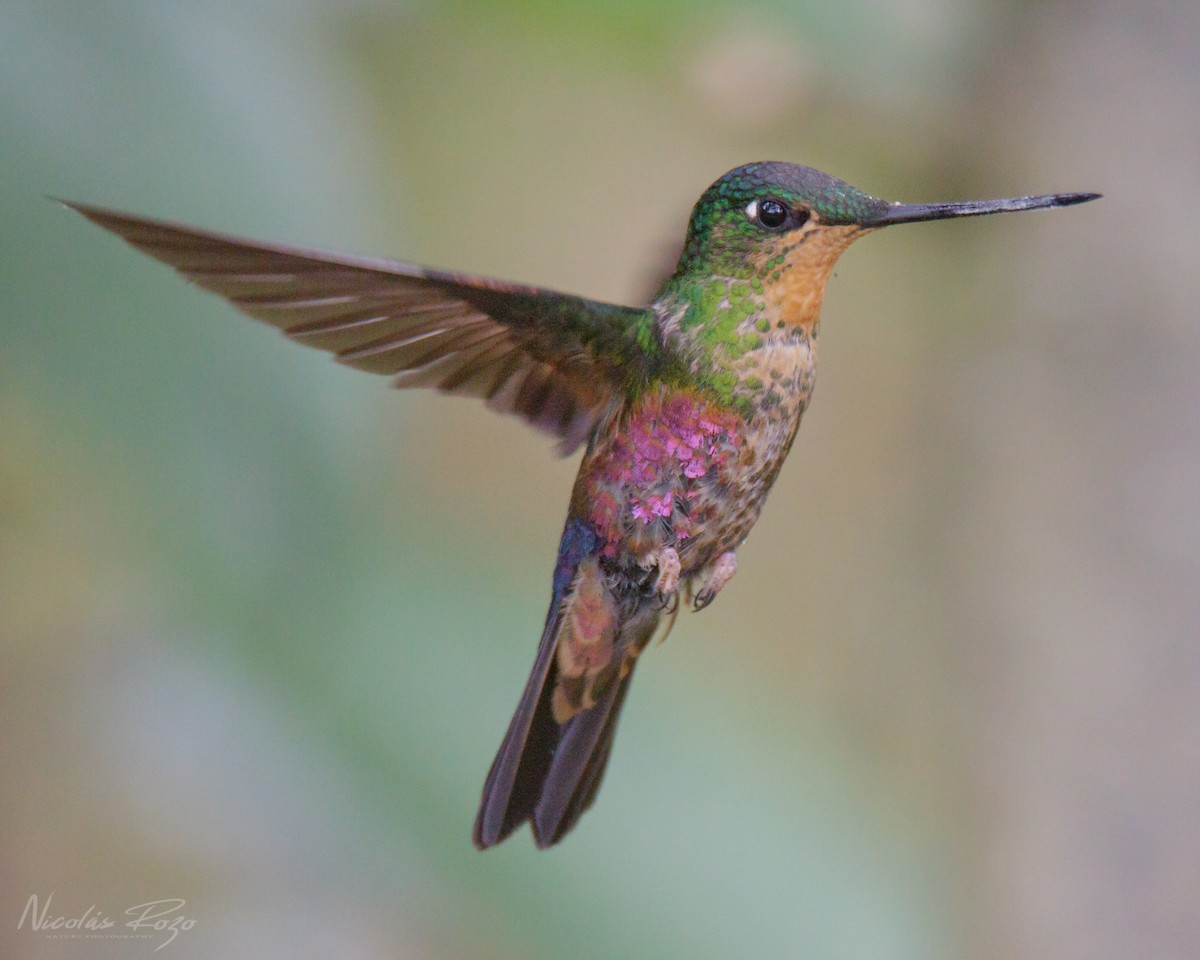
548 772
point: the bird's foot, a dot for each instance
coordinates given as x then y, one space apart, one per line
667 584
715 577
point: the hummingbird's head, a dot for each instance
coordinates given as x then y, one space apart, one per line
763 207
778 227
783 226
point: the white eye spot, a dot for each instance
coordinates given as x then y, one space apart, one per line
752 211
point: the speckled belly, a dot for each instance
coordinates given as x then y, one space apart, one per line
676 469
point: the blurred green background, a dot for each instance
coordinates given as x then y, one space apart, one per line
263 621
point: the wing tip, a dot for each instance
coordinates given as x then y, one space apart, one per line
86 210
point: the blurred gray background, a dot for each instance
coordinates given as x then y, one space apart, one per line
263 621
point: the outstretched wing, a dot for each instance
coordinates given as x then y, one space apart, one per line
555 360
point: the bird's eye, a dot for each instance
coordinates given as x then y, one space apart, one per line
772 214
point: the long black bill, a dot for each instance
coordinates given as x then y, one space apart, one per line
918 212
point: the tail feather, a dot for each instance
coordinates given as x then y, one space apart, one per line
574 777
553 756
515 779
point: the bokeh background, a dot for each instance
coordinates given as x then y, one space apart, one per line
263 621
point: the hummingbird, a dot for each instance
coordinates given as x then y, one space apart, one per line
686 409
